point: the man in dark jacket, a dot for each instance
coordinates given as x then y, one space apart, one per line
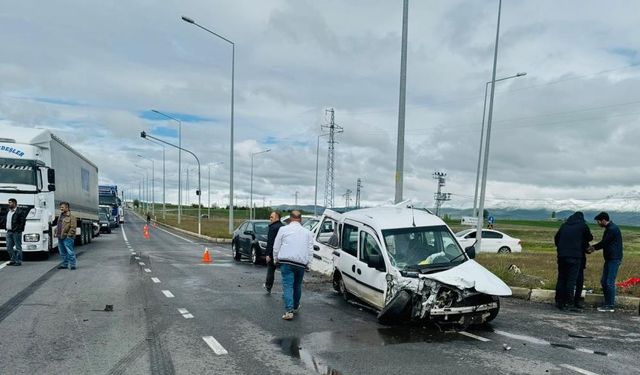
274 227
572 241
611 246
13 222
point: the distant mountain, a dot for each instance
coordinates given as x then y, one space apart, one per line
619 217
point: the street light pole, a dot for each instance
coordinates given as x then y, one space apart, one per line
164 201
233 68
251 194
153 185
484 107
179 161
209 189
401 104
488 137
199 192
145 188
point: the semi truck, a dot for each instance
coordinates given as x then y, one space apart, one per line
108 196
40 171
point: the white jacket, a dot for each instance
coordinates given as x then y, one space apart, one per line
293 245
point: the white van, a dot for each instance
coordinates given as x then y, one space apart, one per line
408 265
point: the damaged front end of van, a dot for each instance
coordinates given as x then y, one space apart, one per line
465 294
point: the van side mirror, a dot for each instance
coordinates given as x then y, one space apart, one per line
248 232
51 177
376 261
471 251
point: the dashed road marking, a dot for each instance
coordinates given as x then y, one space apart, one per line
187 316
137 258
168 294
479 338
577 369
3 265
155 280
185 313
215 345
530 339
147 270
124 235
141 263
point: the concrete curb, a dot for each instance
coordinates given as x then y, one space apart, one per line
548 296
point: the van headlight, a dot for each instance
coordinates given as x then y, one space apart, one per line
32 237
263 244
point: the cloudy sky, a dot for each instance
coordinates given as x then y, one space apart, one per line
92 71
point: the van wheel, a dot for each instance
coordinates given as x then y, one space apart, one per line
504 250
343 290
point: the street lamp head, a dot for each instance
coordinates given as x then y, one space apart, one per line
187 19
521 74
143 134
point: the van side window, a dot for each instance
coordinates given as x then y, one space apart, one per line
350 239
328 233
368 246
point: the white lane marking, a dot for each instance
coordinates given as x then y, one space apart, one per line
3 265
137 258
124 235
175 235
155 280
167 294
183 311
147 270
141 263
133 253
530 339
215 345
474 336
187 316
577 369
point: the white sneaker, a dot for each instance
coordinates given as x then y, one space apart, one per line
606 309
288 315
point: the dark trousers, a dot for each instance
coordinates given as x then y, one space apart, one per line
271 271
580 280
568 270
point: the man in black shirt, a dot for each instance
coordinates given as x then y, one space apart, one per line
13 222
271 237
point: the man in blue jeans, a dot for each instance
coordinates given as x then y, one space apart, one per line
66 232
14 222
292 249
611 246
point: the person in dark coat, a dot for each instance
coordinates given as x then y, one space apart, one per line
13 222
274 227
611 246
572 242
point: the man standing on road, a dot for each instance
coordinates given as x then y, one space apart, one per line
14 222
275 225
66 233
572 241
292 249
611 246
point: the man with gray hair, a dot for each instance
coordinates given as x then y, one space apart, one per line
292 249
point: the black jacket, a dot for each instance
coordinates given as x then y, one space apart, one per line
572 239
611 243
271 237
18 220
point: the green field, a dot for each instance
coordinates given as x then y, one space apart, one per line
537 260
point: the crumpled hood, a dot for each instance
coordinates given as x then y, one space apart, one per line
470 274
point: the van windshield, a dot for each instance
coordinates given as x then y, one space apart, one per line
422 247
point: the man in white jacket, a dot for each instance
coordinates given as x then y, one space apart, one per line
292 249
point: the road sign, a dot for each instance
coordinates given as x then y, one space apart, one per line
469 220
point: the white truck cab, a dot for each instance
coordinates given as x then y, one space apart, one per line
408 265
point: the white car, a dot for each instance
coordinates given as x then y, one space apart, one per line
407 264
493 241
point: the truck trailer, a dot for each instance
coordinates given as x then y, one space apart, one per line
40 171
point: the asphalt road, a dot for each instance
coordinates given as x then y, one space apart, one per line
172 314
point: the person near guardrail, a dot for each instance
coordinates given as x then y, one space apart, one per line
274 227
611 246
66 233
292 249
572 242
13 222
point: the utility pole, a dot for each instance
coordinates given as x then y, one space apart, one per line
347 198
333 129
439 196
401 104
358 190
